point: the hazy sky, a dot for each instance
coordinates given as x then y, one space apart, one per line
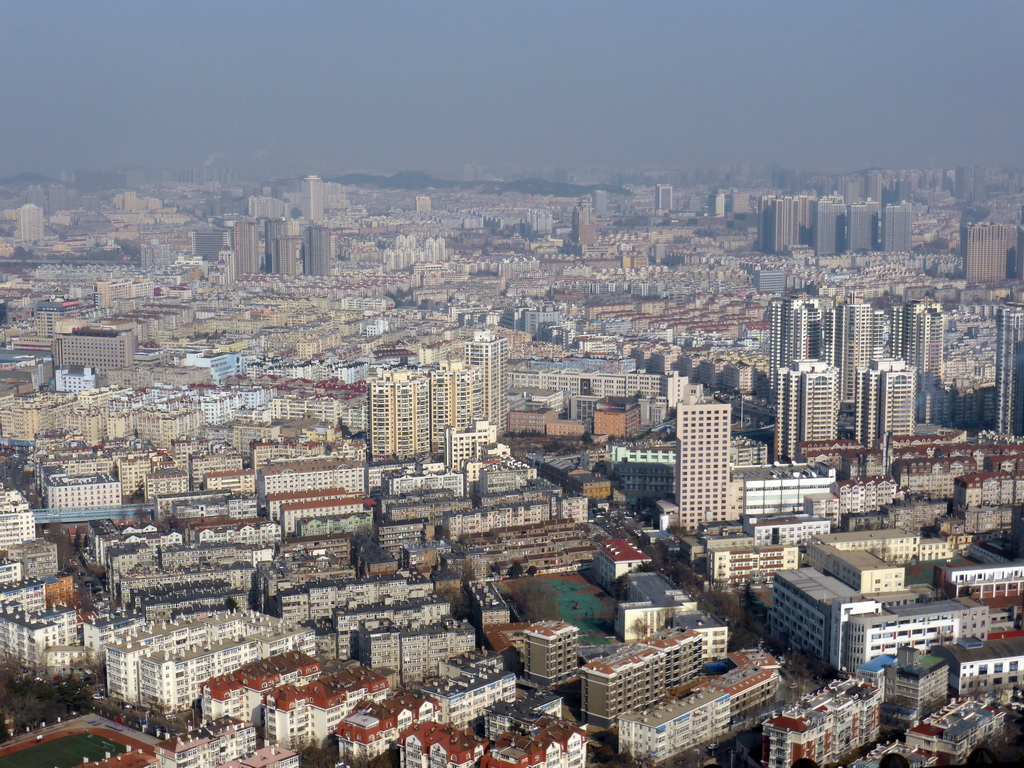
321 87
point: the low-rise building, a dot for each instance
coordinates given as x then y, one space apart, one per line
614 559
878 629
139 660
780 488
64 492
775 530
239 694
864 494
166 482
552 743
468 686
823 727
738 566
373 728
956 730
25 636
295 715
988 489
38 557
858 569
489 607
988 580
271 756
436 745
522 714
977 667
17 522
415 653
751 685
310 474
671 728
651 603
714 633
208 746
891 545
803 604
637 675
913 684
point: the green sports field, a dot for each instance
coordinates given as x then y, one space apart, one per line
63 753
573 599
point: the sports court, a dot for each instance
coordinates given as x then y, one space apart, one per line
64 752
578 602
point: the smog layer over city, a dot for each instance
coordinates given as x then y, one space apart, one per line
511 384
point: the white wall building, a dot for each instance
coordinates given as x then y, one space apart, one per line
674 727
64 492
784 529
209 746
139 661
17 523
780 488
25 636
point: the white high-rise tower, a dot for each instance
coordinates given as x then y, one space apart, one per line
703 430
853 338
490 353
313 198
29 223
797 331
808 406
886 394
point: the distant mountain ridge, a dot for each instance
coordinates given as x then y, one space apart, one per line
24 179
415 180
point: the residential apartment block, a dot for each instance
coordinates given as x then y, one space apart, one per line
824 726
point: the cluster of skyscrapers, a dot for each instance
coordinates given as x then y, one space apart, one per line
831 226
285 248
824 358
412 409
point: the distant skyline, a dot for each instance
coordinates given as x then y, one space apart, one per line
334 87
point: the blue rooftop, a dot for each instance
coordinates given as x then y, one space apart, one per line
878 663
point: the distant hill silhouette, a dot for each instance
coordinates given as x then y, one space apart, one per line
25 179
415 180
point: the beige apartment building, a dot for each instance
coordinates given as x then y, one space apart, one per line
702 460
735 566
858 569
399 406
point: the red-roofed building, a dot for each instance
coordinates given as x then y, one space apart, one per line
555 744
637 675
373 728
824 726
751 685
616 558
988 489
297 714
240 694
270 756
955 731
431 745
